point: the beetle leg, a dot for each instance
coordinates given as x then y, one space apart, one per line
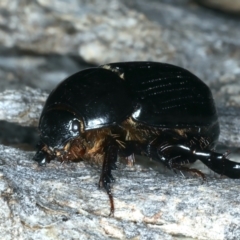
174 154
109 163
219 163
179 163
41 156
131 148
187 169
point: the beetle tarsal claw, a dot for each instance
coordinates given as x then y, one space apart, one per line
43 162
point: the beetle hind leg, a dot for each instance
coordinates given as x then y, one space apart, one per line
181 164
176 154
219 163
187 169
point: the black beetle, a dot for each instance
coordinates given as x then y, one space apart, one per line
120 109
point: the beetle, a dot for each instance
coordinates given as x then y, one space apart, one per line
120 109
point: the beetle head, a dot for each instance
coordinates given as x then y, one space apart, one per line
57 129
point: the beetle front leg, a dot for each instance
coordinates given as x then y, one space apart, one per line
40 157
109 163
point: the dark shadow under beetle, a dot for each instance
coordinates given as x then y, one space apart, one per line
120 109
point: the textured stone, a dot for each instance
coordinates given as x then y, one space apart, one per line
23 107
229 118
63 200
82 28
230 6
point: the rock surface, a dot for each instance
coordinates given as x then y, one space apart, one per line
23 107
229 6
59 201
42 42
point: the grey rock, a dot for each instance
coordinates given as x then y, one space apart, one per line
63 200
229 6
18 69
229 118
23 107
81 28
